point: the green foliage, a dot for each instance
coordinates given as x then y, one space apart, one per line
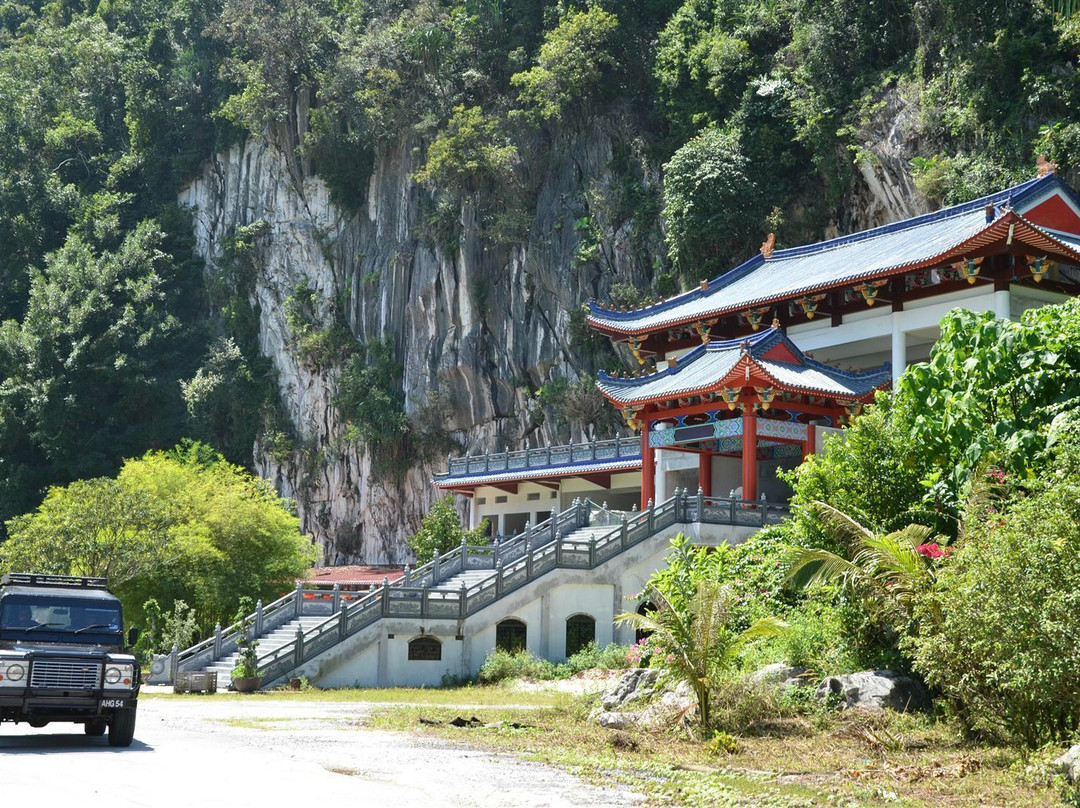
470 153
997 637
575 64
247 662
704 181
441 530
695 622
183 525
611 657
502 666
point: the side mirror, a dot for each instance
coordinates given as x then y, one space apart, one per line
133 635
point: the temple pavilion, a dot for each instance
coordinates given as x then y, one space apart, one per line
746 373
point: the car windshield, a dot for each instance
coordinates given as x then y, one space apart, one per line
69 615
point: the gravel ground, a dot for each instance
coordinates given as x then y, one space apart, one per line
261 753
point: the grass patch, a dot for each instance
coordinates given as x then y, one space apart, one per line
469 695
846 759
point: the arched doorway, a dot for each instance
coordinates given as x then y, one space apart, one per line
643 608
580 631
510 636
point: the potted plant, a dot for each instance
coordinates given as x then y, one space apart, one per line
245 676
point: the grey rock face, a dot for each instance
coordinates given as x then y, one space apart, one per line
616 720
875 690
474 327
1069 764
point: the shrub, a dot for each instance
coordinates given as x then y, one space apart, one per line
998 633
501 666
611 657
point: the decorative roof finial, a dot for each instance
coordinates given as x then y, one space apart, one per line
1044 166
767 245
775 322
704 285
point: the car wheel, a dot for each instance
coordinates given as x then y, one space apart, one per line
122 728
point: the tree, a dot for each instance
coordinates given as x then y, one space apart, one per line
574 66
704 182
441 530
698 637
183 525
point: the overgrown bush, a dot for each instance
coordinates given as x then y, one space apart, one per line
611 657
501 666
998 634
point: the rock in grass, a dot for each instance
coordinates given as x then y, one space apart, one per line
780 676
616 720
634 684
1069 764
875 690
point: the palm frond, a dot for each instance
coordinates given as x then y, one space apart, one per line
806 567
842 527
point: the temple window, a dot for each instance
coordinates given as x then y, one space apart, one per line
426 649
580 631
510 636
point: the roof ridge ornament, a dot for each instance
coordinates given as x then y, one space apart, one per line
1043 166
767 246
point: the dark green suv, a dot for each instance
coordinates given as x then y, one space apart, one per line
63 656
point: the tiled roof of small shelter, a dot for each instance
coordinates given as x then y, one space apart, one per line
707 367
538 473
868 255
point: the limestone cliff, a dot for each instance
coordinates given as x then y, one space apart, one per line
478 326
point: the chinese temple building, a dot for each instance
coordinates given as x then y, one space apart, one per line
746 373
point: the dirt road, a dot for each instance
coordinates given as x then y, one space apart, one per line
243 754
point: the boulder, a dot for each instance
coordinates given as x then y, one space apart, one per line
616 720
780 675
634 684
875 690
1069 764
674 707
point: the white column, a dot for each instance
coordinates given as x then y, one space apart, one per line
501 525
474 512
660 483
1002 304
899 350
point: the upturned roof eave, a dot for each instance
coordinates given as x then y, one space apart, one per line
1011 217
740 369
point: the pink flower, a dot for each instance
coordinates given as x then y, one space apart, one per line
933 551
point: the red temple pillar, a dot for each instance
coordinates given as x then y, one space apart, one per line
705 473
749 453
648 466
809 445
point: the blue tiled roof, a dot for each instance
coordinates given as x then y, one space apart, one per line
801 270
703 368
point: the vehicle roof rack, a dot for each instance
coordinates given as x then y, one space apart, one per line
60 581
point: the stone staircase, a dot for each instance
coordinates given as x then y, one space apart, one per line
456 585
268 643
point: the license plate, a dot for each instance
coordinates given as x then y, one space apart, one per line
107 703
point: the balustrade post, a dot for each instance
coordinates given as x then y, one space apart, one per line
731 509
527 456
764 509
528 531
548 447
217 641
174 663
651 516
618 446
592 553
554 521
343 623
700 504
624 534
464 554
258 618
571 447
498 580
435 567
463 600
336 598
487 461
592 450
424 601
298 599
406 576
385 597
495 554
298 658
528 561
558 548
